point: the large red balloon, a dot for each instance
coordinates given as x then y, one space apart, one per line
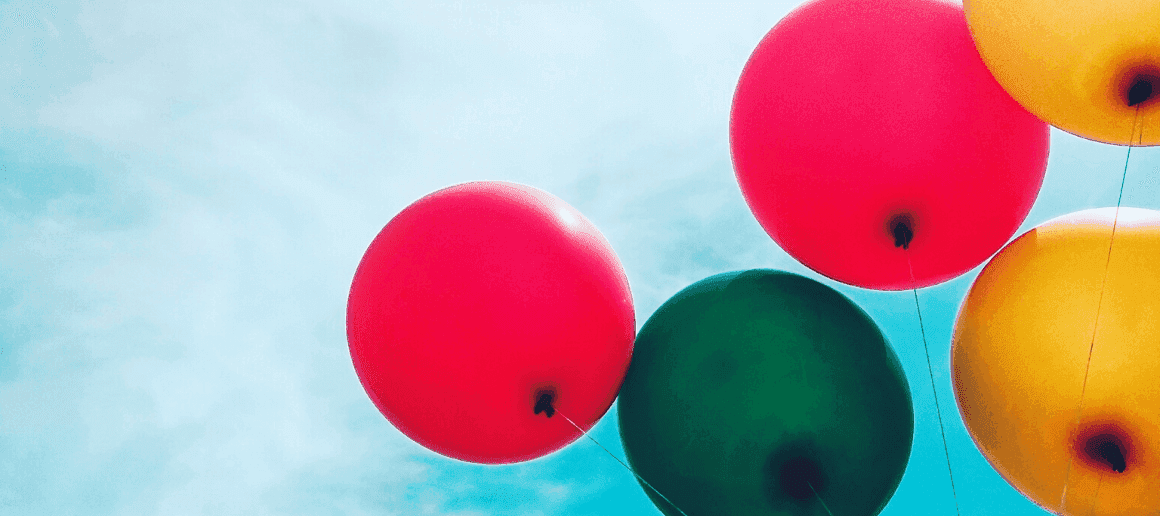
855 116
480 301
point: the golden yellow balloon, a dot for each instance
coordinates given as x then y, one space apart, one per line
1079 65
1019 358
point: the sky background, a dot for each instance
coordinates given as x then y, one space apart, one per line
186 189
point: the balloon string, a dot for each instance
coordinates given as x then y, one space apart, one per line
823 502
1092 508
1100 303
930 371
622 463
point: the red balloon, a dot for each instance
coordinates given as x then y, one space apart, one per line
477 303
855 120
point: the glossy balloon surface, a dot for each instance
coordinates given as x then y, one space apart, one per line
749 391
1020 355
854 116
1077 63
476 300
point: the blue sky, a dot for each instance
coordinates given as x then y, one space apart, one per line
186 189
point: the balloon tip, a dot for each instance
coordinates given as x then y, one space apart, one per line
1107 450
544 399
901 230
794 475
1141 91
798 476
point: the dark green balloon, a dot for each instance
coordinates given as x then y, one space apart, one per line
749 391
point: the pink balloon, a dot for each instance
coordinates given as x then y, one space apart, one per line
477 301
853 117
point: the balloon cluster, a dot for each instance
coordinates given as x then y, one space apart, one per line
885 144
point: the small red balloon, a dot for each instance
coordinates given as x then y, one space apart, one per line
868 132
483 309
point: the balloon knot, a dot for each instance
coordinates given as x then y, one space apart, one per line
1140 91
793 475
1107 450
544 403
800 477
902 233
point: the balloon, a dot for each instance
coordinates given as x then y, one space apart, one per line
750 391
1085 66
1020 354
866 133
481 310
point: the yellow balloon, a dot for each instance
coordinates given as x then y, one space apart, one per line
1020 355
1073 62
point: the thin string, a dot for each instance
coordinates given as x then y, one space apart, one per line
1092 508
930 371
622 463
1099 304
823 502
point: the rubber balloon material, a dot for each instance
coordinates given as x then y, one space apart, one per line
1020 356
1089 67
866 133
483 309
750 391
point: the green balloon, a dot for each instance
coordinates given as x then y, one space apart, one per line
751 391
